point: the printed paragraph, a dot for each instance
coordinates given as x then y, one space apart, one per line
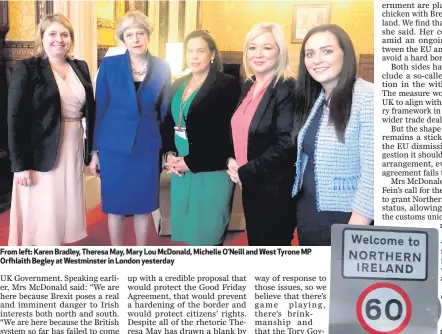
185 304
68 304
411 111
208 294
287 304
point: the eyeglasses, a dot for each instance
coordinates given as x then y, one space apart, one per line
131 36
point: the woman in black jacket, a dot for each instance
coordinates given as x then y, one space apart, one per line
261 127
197 145
48 96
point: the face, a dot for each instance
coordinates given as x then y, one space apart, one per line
198 55
136 41
56 40
262 54
324 58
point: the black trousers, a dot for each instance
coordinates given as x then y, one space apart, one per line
314 228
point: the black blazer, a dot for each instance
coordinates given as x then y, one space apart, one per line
271 153
34 114
207 123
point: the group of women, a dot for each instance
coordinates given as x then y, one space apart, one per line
300 150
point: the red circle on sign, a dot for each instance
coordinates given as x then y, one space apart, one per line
386 285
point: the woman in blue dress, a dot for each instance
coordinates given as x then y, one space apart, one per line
131 98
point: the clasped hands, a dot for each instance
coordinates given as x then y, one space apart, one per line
176 165
232 170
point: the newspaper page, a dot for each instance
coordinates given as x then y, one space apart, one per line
272 290
164 290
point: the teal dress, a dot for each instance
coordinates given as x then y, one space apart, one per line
200 202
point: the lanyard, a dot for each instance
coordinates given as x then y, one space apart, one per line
183 102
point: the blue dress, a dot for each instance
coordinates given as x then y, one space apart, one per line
127 134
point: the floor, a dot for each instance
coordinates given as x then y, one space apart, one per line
98 234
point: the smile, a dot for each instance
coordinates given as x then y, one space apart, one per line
321 69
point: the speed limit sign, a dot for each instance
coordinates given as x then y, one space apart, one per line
383 308
384 280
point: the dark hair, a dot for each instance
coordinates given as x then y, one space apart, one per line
308 90
204 34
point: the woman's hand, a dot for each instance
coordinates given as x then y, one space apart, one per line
180 165
24 178
171 160
232 170
232 165
94 165
358 219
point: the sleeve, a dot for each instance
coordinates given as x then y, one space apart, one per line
86 72
167 132
18 124
165 98
90 120
363 201
233 94
102 95
168 123
215 153
283 150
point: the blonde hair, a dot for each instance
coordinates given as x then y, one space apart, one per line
39 50
133 19
283 65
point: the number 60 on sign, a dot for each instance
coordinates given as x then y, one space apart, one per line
383 308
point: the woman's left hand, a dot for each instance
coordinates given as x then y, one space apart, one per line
94 165
180 165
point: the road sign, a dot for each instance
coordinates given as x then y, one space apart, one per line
384 280
385 254
383 308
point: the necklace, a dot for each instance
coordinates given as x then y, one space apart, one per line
62 75
139 72
195 85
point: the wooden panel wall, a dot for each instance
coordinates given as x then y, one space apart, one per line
5 172
366 67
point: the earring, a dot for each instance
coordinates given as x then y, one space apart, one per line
211 61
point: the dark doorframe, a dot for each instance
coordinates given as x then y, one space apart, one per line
5 171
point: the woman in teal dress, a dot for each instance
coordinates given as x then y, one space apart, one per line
196 139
